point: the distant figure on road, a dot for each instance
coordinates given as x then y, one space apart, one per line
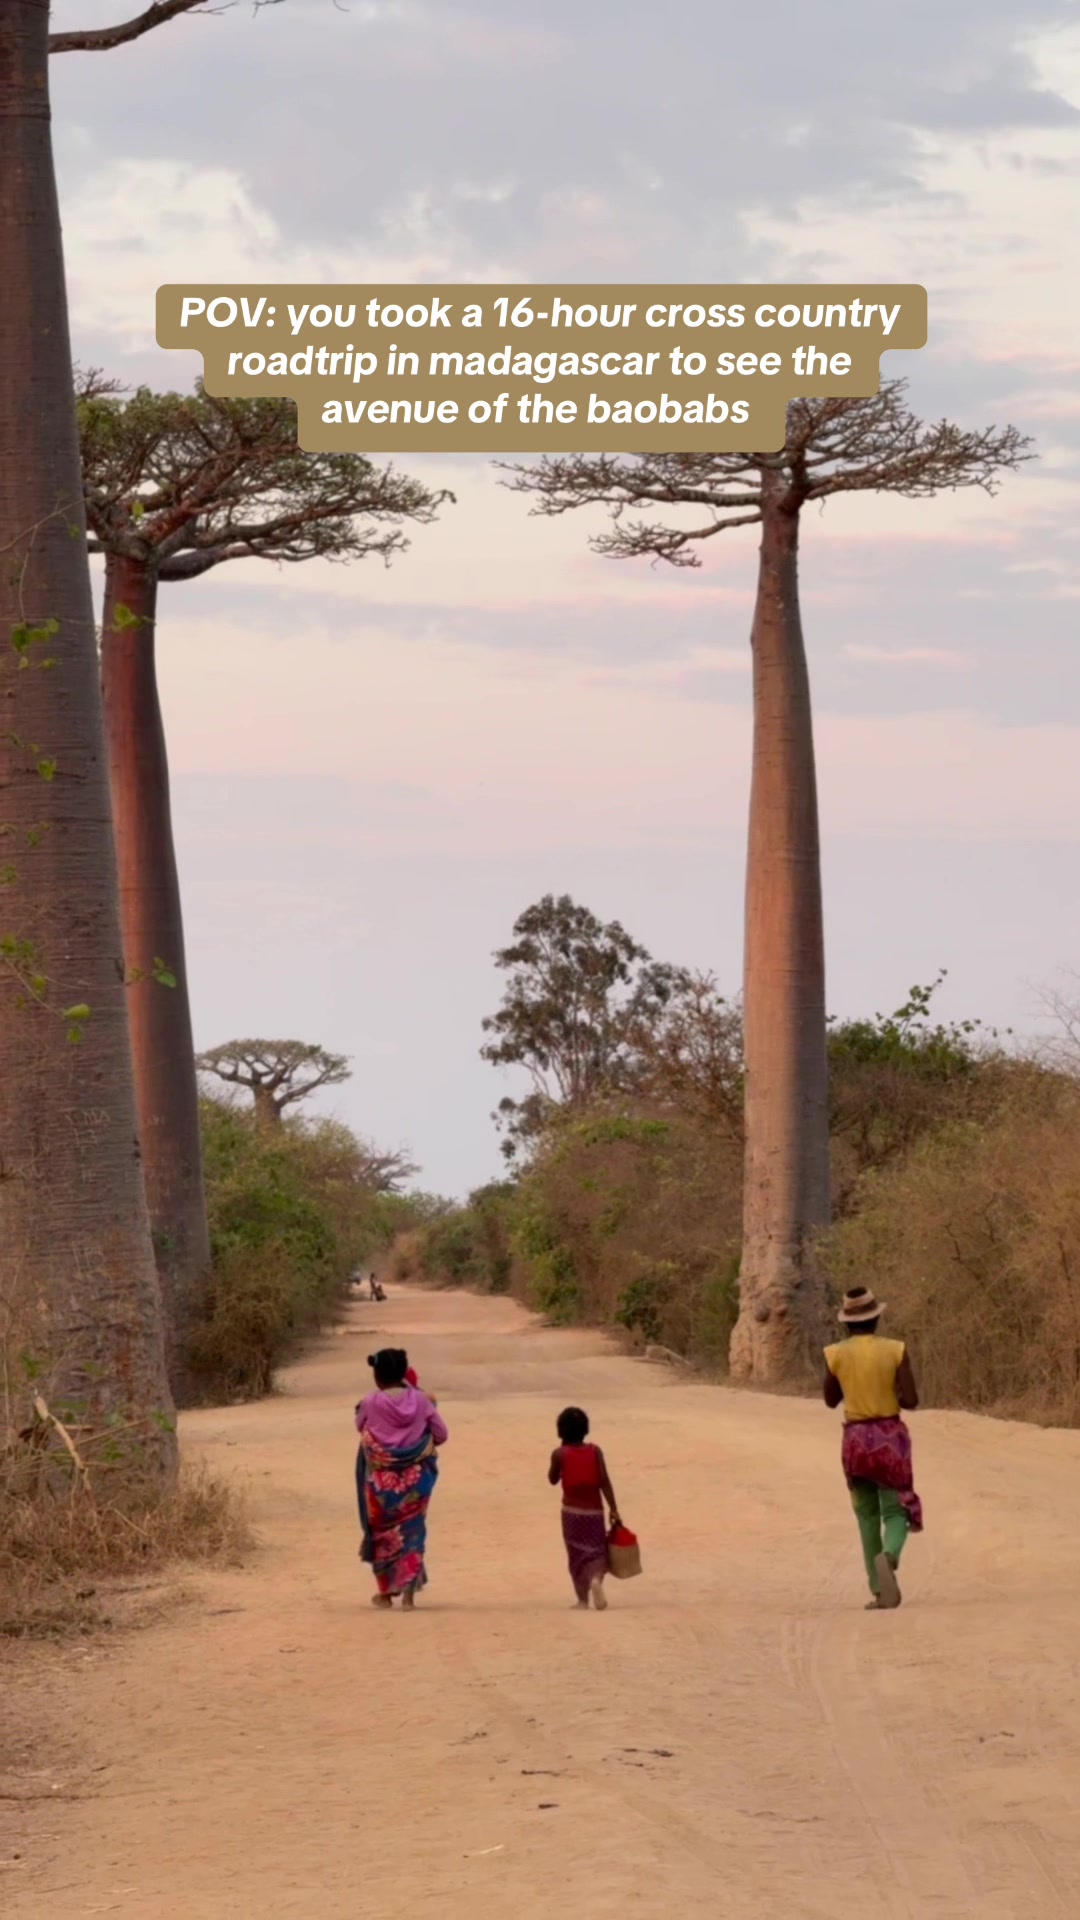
397 1467
580 1469
376 1290
873 1380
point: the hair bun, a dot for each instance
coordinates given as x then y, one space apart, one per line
371 1359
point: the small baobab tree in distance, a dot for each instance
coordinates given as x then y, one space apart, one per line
276 1073
832 446
176 485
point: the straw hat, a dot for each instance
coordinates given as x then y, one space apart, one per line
860 1306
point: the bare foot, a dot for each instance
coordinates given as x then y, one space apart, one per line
381 1600
599 1597
888 1584
408 1598
581 1606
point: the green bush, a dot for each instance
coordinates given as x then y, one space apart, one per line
465 1246
289 1219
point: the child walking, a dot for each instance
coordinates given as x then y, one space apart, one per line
580 1469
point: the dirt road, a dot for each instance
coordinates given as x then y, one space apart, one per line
735 1735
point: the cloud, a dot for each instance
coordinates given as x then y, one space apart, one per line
206 224
908 656
372 104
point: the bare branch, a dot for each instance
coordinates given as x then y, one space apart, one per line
834 445
104 39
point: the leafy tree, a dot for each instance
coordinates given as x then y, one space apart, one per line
688 1054
277 1073
832 446
576 993
175 485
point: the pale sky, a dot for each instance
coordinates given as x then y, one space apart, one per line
375 771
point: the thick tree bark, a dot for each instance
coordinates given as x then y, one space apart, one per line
166 1089
786 1166
78 1286
267 1111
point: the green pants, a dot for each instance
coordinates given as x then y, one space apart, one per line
883 1525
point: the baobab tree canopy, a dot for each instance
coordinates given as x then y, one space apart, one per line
277 1073
183 482
871 445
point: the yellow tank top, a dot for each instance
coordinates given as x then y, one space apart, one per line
866 1367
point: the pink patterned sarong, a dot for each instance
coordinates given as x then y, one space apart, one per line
880 1451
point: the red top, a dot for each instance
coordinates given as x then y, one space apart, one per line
581 1478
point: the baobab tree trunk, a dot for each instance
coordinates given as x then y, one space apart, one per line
151 921
79 1291
786 1166
267 1111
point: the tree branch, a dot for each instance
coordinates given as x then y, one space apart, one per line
834 445
103 39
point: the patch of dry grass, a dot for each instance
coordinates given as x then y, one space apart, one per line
60 1549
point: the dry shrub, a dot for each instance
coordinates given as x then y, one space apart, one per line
55 1537
256 1313
974 1242
403 1261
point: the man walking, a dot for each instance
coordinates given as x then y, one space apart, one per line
873 1380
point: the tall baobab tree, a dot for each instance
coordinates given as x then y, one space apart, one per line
832 446
276 1073
175 485
79 1281
75 1239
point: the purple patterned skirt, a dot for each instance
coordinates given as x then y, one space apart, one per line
585 1535
880 1451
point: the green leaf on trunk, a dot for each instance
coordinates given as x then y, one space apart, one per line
123 619
24 635
163 974
46 768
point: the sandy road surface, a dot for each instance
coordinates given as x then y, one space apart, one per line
734 1736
